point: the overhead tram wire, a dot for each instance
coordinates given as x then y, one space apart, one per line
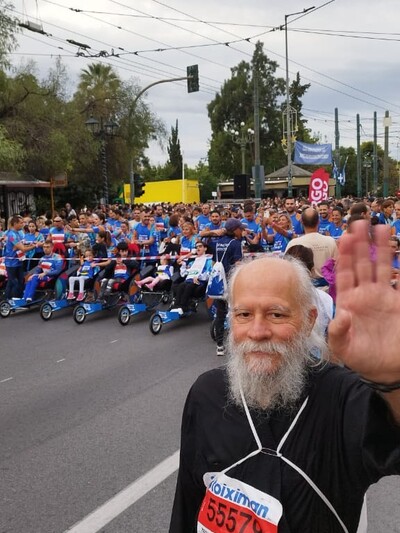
125 62
124 52
313 81
279 55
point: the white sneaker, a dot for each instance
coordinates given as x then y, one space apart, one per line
178 310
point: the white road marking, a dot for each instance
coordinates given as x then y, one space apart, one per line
116 505
116 340
7 379
60 360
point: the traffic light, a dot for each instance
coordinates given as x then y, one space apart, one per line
139 185
192 74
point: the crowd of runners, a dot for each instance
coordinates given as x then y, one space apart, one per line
173 238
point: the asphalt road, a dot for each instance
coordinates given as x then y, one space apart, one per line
87 410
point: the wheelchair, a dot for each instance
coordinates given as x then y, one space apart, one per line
45 291
122 292
144 300
49 307
159 317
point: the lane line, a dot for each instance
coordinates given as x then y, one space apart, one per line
111 342
7 379
60 360
116 505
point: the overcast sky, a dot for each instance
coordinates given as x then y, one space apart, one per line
348 51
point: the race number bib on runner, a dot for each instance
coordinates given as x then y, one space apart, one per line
231 506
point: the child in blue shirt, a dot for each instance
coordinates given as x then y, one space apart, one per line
85 272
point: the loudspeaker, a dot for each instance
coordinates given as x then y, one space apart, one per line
241 186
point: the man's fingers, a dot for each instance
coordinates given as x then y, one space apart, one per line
345 276
361 253
383 255
338 330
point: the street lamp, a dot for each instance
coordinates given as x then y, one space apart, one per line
367 163
102 131
289 109
242 138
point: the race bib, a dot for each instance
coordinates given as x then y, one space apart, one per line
232 506
120 270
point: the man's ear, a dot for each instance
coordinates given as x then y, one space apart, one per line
312 317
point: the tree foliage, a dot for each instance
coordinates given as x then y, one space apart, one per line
174 152
234 104
8 30
43 129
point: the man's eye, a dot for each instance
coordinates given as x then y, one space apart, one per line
242 315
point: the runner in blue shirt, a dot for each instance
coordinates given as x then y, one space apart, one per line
204 219
50 265
252 230
324 222
143 236
228 250
211 233
161 222
337 226
14 252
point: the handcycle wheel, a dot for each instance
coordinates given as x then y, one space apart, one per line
5 309
165 297
213 330
79 314
124 316
46 311
155 324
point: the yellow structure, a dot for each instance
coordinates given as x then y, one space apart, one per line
173 191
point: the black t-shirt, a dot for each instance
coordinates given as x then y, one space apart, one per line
344 440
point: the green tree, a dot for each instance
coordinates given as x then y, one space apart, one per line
296 92
12 153
8 30
234 104
174 152
208 183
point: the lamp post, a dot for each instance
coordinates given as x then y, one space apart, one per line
367 163
102 130
242 138
289 109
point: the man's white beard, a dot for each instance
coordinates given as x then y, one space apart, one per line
267 386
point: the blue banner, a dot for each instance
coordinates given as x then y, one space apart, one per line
312 154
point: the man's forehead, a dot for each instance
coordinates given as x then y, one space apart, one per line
266 273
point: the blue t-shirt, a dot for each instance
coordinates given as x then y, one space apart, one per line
13 237
233 251
162 224
145 233
396 225
297 225
202 222
335 232
251 225
324 226
280 243
187 245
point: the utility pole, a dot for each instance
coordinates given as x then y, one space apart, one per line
358 158
258 175
387 121
337 153
375 155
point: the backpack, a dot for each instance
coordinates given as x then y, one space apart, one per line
217 286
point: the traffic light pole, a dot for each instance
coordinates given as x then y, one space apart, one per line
131 172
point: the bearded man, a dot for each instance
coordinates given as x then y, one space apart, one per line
276 442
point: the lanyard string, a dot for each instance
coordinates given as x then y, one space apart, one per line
277 453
